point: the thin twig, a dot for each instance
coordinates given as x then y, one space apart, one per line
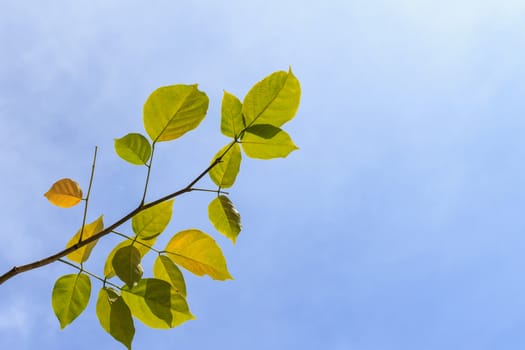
147 176
81 269
88 192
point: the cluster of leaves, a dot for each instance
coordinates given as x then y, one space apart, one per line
254 128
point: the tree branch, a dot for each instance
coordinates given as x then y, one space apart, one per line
52 258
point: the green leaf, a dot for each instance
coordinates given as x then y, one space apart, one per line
153 221
164 269
143 249
133 148
126 264
70 297
82 254
115 317
64 193
232 122
157 304
274 100
171 111
265 131
198 253
267 142
225 217
225 172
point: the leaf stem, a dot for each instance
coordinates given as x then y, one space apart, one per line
219 191
135 241
88 193
81 269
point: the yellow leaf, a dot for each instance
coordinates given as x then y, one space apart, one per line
232 122
172 111
274 100
264 141
82 254
164 269
198 253
64 193
153 221
225 172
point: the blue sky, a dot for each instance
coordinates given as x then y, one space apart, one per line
397 225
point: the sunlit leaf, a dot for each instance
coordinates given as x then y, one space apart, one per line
64 193
133 148
152 222
224 217
142 248
127 266
82 254
265 142
232 122
115 317
156 303
274 100
224 173
171 111
166 270
198 253
70 297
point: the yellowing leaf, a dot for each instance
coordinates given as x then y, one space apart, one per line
225 217
171 111
115 317
152 222
133 148
82 254
224 173
126 264
143 249
157 304
64 193
70 297
232 122
198 253
267 142
164 269
274 100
